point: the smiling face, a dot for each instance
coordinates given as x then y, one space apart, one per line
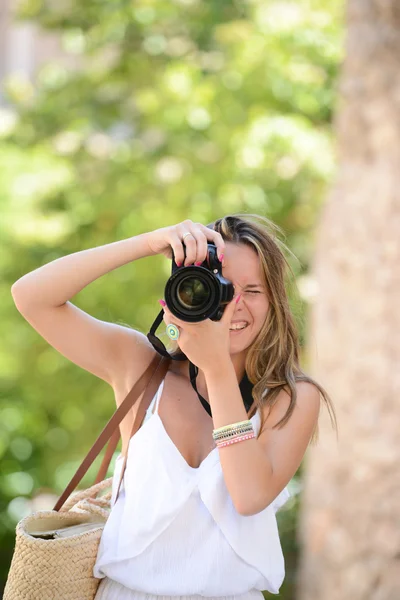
242 267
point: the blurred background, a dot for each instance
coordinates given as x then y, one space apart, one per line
119 117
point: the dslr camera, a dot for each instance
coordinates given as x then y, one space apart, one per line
195 293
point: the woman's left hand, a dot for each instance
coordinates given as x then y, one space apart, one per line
206 343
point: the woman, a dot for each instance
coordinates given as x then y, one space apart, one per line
195 515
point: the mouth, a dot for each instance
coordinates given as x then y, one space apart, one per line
238 327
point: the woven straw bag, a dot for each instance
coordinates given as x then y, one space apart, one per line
59 564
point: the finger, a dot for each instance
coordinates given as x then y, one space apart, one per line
215 237
178 250
168 322
200 247
169 317
230 310
167 313
190 244
199 233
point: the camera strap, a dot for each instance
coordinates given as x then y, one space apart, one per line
245 386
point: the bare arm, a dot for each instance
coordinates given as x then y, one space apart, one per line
57 282
116 354
102 348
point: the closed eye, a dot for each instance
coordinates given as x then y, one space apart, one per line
253 292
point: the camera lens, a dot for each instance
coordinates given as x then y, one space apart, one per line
192 292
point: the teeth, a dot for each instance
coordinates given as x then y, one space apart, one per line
238 327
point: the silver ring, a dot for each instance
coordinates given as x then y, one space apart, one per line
172 332
185 234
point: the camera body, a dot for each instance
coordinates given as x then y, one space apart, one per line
194 294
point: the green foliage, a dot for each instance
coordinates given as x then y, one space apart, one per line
178 109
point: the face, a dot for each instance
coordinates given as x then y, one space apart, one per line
242 267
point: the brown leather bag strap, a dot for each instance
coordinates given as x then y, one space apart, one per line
153 386
149 382
138 420
109 453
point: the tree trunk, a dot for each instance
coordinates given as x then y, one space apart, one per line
350 519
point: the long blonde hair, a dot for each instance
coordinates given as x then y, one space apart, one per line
272 360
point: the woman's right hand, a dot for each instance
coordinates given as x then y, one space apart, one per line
168 239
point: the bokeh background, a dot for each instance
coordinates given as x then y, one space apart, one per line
119 117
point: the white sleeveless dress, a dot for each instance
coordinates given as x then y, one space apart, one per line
174 531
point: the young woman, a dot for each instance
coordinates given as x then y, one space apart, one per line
195 515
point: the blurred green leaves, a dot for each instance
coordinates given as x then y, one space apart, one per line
167 110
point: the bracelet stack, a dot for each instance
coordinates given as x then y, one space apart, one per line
231 434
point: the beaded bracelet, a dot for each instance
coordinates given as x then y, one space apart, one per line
236 439
233 429
232 426
229 434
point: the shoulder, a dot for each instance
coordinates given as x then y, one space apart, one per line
307 404
306 392
134 353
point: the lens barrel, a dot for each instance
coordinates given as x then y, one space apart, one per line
194 294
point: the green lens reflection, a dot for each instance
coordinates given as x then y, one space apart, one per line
192 292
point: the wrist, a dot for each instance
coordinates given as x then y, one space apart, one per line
144 240
219 368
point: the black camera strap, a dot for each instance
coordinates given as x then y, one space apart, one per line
245 386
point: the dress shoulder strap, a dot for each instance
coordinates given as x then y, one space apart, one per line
158 397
